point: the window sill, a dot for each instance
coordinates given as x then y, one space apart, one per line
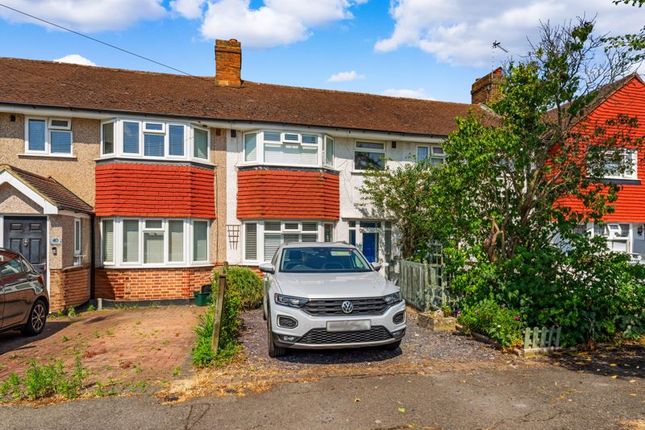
56 156
156 159
619 181
246 164
157 266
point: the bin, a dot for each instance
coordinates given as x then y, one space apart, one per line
202 299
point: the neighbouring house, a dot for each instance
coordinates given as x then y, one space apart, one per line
130 185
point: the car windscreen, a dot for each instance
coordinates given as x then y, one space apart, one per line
323 260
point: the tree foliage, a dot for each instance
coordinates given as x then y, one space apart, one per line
517 185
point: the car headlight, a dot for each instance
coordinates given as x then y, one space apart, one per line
392 299
291 301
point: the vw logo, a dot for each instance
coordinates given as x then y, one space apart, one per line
347 307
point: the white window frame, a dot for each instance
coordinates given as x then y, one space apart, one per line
633 153
101 261
187 244
58 127
431 153
373 150
261 142
114 139
78 242
208 242
48 130
261 232
326 138
189 140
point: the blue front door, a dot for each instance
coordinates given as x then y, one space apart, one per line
370 246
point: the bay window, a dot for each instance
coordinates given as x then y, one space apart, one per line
51 136
134 138
288 148
263 238
154 242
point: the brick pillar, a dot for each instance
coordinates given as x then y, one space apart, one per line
485 90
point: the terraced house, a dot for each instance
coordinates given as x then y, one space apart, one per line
131 185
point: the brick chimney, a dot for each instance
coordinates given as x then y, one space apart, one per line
228 63
486 89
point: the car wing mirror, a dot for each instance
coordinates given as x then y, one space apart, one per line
267 268
377 266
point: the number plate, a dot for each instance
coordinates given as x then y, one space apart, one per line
356 325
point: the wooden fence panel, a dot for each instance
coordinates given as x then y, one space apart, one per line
423 285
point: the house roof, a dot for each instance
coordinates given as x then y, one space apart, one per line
50 189
59 85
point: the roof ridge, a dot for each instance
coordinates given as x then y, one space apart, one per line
114 69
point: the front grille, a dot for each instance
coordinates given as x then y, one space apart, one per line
320 336
363 306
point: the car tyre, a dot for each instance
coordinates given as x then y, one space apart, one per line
274 350
393 346
37 319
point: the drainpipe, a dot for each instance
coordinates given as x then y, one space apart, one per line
93 257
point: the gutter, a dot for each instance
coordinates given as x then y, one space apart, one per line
225 124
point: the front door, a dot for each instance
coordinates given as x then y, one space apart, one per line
370 246
27 235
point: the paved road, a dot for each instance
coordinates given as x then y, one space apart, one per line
528 398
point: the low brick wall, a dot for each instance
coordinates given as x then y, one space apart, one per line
150 284
69 287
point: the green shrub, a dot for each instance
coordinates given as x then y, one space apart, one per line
45 380
498 323
203 354
247 283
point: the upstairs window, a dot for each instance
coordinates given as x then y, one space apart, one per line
625 168
133 138
291 149
369 156
432 154
107 138
49 137
329 152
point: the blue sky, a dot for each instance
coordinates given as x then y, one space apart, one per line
422 48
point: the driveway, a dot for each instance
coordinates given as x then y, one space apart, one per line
121 348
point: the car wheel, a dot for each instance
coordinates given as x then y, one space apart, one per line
37 318
274 350
392 346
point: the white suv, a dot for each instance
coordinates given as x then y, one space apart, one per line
326 295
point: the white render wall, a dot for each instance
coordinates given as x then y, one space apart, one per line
350 181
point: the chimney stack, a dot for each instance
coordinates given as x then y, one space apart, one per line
486 89
228 63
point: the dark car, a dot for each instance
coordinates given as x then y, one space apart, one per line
24 303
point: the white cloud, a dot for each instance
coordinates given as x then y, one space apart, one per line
462 31
75 59
276 22
83 15
345 76
191 9
418 93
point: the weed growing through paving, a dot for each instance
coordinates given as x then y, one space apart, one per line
176 371
45 380
71 313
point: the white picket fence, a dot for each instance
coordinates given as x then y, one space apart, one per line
423 285
542 338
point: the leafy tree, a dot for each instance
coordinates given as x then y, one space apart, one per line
633 43
517 186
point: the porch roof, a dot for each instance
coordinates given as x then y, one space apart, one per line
49 189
